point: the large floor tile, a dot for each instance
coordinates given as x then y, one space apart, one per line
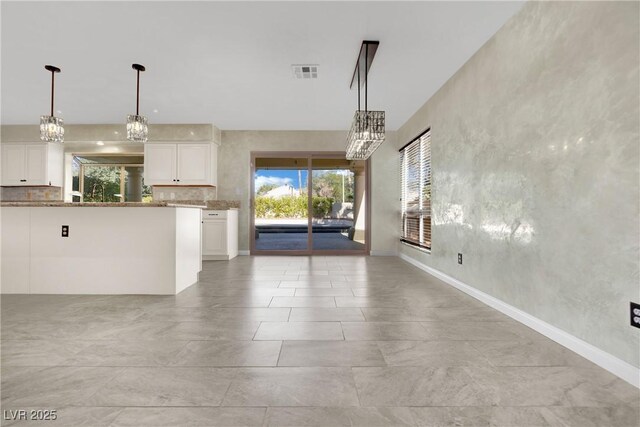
39 352
292 387
469 331
531 353
299 331
458 416
418 386
228 353
40 330
336 417
239 301
323 292
126 353
371 302
330 353
124 331
228 291
53 386
326 315
553 386
303 302
210 330
403 314
431 353
617 416
185 314
167 386
479 314
70 416
382 331
306 283
207 416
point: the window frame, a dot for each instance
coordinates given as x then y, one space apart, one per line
421 189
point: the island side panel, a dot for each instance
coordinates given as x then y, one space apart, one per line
188 247
14 265
110 250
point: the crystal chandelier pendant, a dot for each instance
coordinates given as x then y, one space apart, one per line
51 129
366 134
368 127
137 129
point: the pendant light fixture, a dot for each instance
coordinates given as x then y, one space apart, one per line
367 130
51 127
137 130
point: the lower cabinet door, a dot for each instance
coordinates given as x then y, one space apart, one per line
214 237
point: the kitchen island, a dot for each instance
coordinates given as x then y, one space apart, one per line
108 248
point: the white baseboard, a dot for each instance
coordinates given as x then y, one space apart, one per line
616 366
383 253
243 253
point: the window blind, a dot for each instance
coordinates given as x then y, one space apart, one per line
415 178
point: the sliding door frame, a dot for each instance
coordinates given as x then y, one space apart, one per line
309 155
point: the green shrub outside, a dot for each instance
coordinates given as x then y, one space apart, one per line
292 206
321 206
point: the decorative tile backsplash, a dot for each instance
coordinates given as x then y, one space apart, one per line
184 193
25 194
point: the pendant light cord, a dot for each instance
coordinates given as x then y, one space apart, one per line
366 77
358 85
52 90
138 94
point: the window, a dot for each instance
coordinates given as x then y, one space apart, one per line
109 178
415 170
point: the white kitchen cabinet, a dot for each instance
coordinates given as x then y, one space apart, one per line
194 164
180 163
30 164
160 164
219 234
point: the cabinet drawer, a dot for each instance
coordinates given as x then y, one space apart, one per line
214 214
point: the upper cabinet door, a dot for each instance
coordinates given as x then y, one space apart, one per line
160 164
194 164
13 164
36 168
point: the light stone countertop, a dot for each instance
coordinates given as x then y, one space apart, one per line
218 205
164 204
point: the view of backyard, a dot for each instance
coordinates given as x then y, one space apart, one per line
282 209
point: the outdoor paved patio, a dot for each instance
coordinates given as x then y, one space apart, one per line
298 241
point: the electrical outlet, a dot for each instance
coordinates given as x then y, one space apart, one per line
459 258
635 314
65 231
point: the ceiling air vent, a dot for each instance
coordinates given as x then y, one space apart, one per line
305 71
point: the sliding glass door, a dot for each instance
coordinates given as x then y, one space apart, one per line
338 208
281 220
305 203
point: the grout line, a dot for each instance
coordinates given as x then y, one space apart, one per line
280 353
256 332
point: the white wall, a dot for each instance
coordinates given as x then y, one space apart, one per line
535 160
234 173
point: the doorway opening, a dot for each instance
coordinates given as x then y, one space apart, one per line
309 203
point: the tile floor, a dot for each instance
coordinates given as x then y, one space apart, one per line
293 341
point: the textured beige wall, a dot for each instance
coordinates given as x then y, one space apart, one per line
234 157
114 133
535 169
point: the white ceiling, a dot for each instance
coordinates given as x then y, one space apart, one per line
229 63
